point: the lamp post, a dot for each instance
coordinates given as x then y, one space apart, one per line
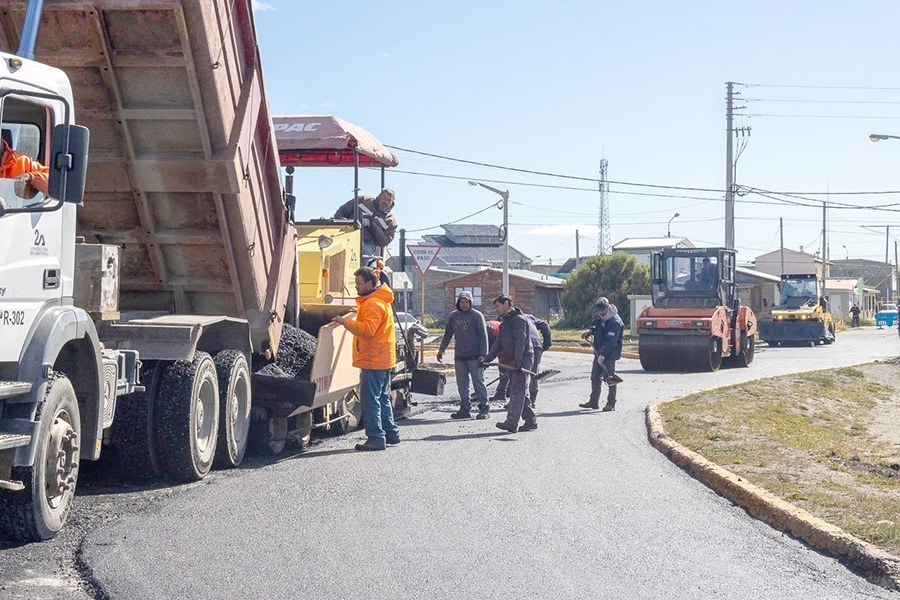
877 137
505 196
669 226
846 252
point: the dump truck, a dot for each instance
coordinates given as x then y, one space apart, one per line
696 321
137 294
801 315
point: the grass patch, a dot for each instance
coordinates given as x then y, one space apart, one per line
810 438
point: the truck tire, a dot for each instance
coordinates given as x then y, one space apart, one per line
234 407
134 426
187 417
40 510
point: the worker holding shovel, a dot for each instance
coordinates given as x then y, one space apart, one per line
514 344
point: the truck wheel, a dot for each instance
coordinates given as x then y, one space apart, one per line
748 349
134 427
40 510
350 407
187 417
234 407
303 429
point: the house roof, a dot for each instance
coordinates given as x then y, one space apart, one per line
789 252
754 274
472 230
539 279
652 243
842 284
455 254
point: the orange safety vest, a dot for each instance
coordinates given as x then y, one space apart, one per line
374 343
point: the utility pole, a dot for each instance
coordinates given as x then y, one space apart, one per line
403 252
577 251
896 265
781 232
824 245
729 167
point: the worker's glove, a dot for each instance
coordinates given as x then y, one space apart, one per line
586 335
600 359
440 357
24 188
365 220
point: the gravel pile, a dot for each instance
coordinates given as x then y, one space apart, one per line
295 354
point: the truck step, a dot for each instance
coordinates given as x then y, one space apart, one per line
13 440
8 389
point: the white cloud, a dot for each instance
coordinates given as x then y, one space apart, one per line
326 105
385 55
564 230
263 6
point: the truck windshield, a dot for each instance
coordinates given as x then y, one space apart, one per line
798 288
691 273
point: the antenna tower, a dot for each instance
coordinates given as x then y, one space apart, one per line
604 242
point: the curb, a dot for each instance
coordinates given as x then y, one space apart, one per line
875 564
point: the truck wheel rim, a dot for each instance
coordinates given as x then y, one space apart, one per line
62 459
206 411
240 411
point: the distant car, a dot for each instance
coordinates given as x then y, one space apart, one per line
886 315
406 320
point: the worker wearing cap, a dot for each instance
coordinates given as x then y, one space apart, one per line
376 219
15 165
466 325
514 344
607 341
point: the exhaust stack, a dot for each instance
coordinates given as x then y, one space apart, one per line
30 29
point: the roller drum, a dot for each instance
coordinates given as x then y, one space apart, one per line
680 352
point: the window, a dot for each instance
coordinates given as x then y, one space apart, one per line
21 126
475 291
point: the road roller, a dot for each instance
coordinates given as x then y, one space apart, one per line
696 321
801 316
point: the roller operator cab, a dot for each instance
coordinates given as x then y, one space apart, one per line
696 321
801 316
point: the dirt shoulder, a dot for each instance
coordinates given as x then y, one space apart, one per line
827 442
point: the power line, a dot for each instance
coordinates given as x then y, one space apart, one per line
819 87
822 116
807 101
493 205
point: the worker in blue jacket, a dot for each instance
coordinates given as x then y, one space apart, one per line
607 332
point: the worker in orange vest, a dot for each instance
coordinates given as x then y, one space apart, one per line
15 165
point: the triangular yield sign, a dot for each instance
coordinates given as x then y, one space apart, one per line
423 254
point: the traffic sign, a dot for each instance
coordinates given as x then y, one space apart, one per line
424 255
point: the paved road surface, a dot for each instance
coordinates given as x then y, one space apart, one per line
583 507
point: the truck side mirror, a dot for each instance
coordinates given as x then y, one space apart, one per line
68 163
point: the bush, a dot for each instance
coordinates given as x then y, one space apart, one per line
614 276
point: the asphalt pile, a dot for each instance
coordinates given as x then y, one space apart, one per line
296 350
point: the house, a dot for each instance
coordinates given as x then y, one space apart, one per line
756 289
641 248
468 245
534 293
879 275
843 293
791 262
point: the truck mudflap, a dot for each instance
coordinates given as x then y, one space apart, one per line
791 331
428 382
294 393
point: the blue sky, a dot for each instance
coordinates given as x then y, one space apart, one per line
556 87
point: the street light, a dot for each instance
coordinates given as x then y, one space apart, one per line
877 137
505 196
669 226
846 252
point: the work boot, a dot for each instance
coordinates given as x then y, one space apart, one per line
506 427
609 407
483 412
529 425
613 380
369 446
499 396
393 441
590 404
461 414
594 401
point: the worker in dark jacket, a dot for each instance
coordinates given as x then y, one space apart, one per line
514 344
466 325
539 333
376 219
607 341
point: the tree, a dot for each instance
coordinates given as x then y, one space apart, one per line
614 276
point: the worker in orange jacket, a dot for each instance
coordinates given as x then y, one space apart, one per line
14 165
374 353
